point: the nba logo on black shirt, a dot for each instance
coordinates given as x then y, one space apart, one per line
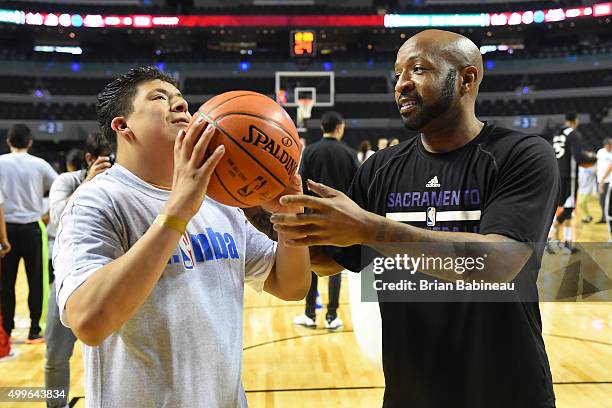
431 216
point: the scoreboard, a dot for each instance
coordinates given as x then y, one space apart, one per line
303 43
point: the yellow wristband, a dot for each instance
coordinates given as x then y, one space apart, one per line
169 221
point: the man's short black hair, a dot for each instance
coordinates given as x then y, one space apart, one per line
571 116
116 97
330 120
19 136
75 158
97 144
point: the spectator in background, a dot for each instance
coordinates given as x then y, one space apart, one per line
394 141
383 142
333 163
75 159
60 340
364 151
604 159
24 180
587 190
568 149
74 162
608 200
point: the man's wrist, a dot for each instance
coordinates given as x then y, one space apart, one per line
372 228
168 221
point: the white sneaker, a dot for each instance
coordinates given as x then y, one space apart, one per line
333 324
305 321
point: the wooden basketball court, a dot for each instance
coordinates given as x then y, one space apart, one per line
287 366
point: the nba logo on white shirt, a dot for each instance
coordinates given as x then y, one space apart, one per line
431 216
187 251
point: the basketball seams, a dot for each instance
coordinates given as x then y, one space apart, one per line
231 99
237 143
251 93
273 122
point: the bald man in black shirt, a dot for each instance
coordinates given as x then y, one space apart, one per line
461 183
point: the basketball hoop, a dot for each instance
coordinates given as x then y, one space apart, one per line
304 108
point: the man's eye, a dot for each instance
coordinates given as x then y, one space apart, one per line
160 97
417 69
397 75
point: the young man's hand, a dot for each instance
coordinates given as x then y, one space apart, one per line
192 169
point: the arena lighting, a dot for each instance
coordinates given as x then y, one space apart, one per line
389 20
51 20
112 20
437 20
142 21
554 15
65 20
527 17
12 16
61 49
603 9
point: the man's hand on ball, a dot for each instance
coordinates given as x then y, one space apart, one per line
335 220
192 169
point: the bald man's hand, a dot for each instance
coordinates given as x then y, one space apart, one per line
335 219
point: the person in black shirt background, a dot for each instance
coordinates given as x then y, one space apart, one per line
568 149
333 163
460 180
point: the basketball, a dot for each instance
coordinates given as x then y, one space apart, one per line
262 148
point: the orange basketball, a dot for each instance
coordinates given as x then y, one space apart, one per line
262 148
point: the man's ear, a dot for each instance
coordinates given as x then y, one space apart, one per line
469 79
88 159
30 143
120 126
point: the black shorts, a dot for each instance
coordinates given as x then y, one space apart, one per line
565 215
569 193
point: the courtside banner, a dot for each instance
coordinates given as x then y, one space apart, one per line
486 272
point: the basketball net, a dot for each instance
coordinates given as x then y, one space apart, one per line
304 109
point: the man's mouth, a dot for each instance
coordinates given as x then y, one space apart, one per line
180 121
407 105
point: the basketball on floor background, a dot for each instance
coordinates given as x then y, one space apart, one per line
262 148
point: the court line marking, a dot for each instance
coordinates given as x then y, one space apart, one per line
562 336
323 332
582 382
74 400
319 389
275 306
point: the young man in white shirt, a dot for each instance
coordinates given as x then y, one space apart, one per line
150 272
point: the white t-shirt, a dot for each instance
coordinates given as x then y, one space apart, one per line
183 347
24 179
604 158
